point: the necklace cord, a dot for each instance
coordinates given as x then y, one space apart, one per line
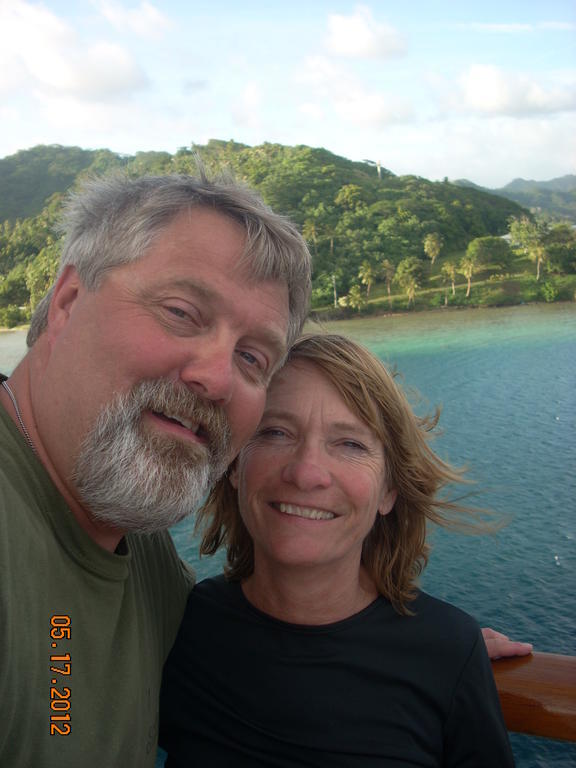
19 416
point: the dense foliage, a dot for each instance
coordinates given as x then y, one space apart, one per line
372 234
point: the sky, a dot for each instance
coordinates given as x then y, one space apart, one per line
444 88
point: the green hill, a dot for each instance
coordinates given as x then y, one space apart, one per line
355 216
30 177
291 179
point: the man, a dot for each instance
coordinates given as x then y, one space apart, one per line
146 372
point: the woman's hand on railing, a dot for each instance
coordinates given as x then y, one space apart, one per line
500 646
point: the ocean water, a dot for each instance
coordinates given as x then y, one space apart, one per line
506 382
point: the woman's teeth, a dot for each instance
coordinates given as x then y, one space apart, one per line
307 512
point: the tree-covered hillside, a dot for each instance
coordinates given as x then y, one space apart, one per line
30 177
365 226
555 199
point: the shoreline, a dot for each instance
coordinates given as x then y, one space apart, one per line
334 316
331 316
16 328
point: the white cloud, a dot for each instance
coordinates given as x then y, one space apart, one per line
489 90
560 26
90 118
122 126
490 152
359 36
321 72
246 111
105 71
370 108
43 54
338 90
311 110
145 20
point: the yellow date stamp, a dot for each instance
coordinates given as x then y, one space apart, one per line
61 669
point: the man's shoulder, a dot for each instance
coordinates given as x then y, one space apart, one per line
155 555
25 489
22 476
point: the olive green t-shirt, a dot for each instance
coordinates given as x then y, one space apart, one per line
83 632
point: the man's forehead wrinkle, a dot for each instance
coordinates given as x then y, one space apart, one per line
251 265
197 286
189 285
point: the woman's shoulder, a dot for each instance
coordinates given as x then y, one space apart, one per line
213 584
444 620
216 589
427 604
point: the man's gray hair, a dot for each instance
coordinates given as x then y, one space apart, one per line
114 220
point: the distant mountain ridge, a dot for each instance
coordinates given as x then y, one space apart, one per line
561 184
556 197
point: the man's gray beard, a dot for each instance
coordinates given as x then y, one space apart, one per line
134 479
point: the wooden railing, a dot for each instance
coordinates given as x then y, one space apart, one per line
538 694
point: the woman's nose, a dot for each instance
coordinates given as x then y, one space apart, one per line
307 471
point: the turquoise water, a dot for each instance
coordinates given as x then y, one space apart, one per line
506 379
12 348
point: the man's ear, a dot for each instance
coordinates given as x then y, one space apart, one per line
387 501
66 291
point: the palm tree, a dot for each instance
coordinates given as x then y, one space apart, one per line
388 270
448 272
530 236
409 274
367 275
310 233
356 298
433 243
467 267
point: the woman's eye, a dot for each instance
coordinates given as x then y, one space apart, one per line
272 432
353 445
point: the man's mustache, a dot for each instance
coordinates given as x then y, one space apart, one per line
172 400
176 402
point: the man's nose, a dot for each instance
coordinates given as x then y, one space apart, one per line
209 372
307 470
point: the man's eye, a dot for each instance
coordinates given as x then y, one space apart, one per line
252 360
249 357
178 312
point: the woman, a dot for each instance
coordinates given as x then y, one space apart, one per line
318 649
